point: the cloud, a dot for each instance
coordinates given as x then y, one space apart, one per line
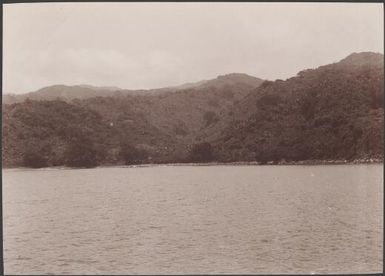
148 45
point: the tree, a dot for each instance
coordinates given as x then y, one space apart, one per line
210 117
81 152
265 155
202 152
34 159
132 155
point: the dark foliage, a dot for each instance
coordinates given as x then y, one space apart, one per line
34 160
133 155
81 153
332 112
202 152
268 100
210 117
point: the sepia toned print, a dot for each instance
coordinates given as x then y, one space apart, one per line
192 138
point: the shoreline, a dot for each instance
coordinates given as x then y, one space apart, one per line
238 163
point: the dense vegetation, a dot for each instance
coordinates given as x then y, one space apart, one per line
201 153
332 112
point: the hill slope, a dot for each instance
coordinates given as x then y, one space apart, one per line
332 112
68 93
164 124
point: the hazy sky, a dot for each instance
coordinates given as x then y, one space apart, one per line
148 45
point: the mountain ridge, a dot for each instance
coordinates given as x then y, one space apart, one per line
83 91
346 96
331 112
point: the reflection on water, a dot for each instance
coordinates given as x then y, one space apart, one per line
170 220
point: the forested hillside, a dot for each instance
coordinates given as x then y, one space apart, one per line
333 112
152 127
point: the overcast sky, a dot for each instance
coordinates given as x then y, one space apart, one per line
149 45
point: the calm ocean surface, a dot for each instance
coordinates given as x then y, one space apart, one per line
194 219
